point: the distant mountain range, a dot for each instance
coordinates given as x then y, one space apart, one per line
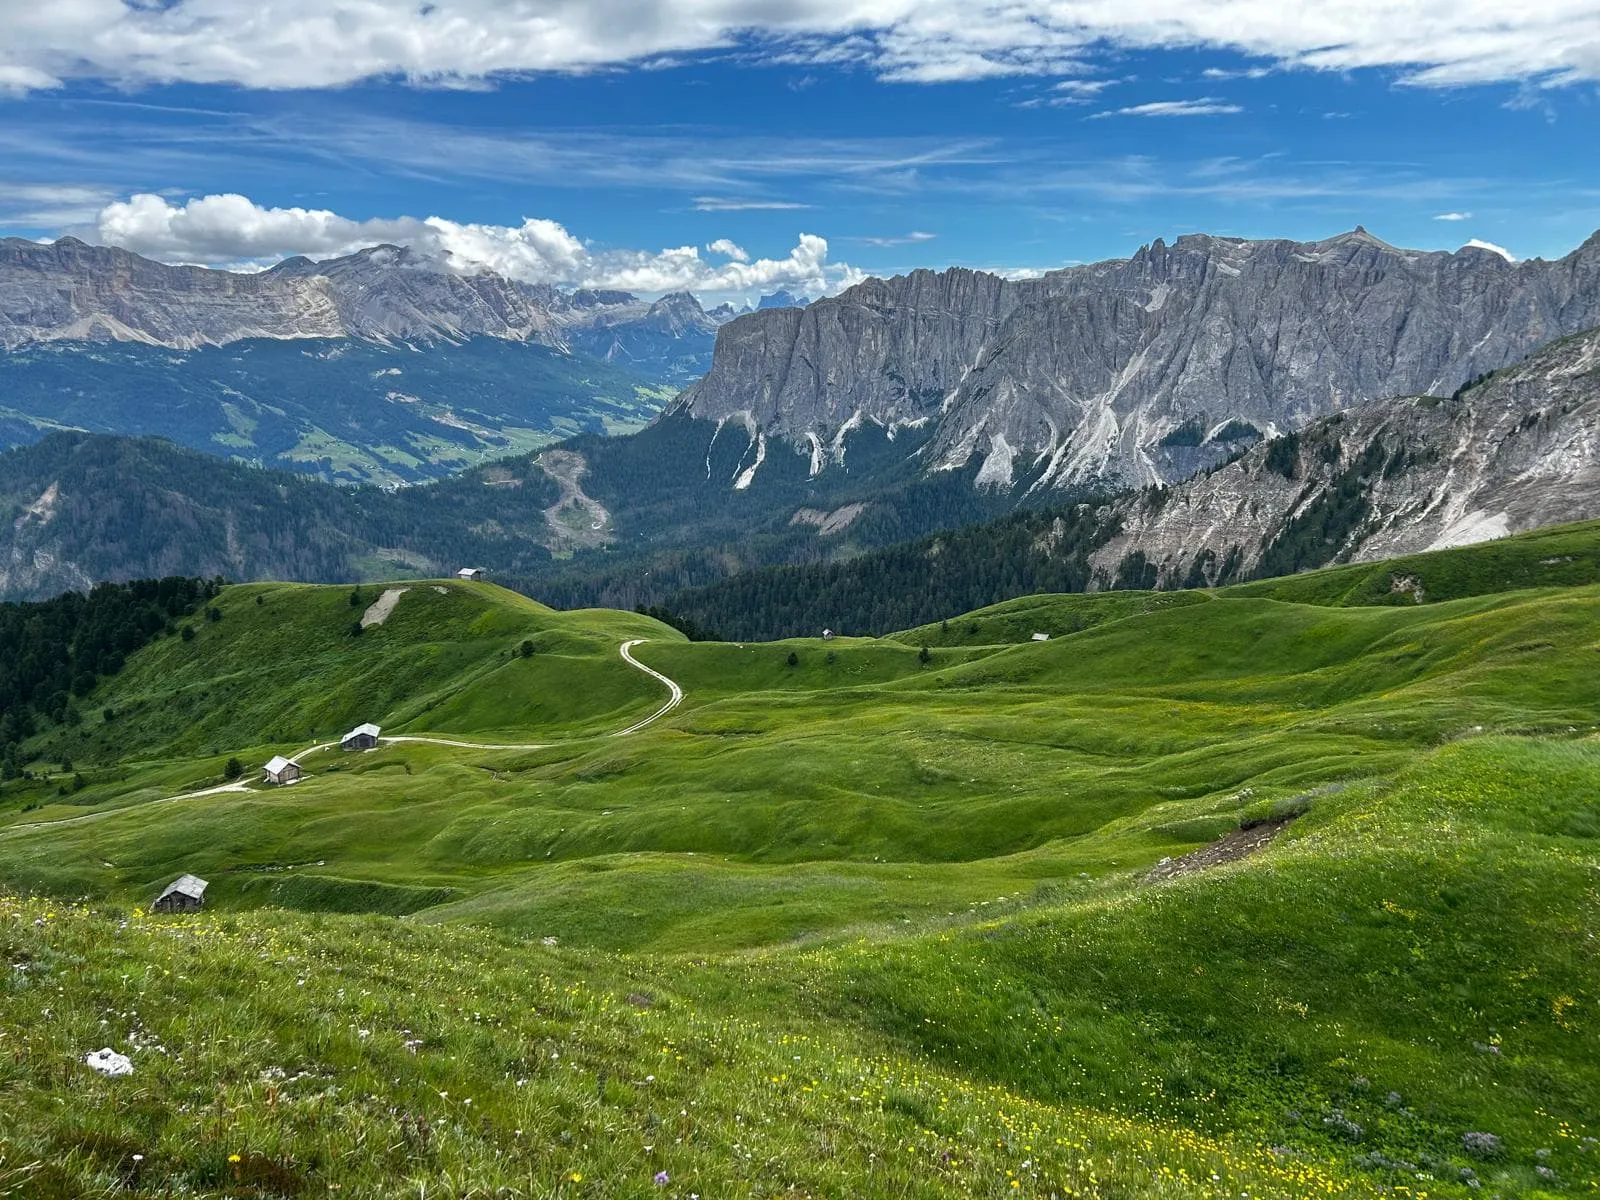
382 366
1248 387
1133 371
1513 451
71 291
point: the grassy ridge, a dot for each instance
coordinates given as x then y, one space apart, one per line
856 919
1561 556
282 668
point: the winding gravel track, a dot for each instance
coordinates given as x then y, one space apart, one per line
111 812
672 702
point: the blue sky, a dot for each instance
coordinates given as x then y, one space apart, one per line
1011 156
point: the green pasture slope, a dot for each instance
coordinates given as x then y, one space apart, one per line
860 918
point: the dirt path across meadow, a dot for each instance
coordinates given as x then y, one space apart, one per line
1241 843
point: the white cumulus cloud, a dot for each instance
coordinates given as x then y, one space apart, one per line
1479 244
730 249
232 230
333 43
1453 216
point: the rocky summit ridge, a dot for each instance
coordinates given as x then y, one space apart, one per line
1135 371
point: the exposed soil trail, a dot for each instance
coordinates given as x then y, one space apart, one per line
1241 843
578 521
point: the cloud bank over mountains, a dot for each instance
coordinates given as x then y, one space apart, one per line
332 43
232 230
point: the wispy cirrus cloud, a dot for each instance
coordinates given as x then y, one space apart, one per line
913 238
46 205
1453 216
1206 106
734 204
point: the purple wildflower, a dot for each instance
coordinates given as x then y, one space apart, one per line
662 1179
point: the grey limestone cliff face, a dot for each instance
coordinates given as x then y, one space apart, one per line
70 291
889 351
1090 375
1516 452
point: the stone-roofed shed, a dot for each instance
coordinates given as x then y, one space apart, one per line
184 894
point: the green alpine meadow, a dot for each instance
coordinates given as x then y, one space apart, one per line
1286 889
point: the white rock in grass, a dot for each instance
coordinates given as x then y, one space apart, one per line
109 1063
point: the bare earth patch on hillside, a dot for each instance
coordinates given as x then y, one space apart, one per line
378 611
578 521
1241 843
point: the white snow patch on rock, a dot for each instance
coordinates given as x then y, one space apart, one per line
816 454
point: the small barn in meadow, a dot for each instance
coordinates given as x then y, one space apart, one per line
282 770
1041 637
362 737
186 893
476 574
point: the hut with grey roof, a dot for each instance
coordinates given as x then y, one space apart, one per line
362 737
186 893
282 770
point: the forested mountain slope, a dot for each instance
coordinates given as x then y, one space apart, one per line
80 509
340 410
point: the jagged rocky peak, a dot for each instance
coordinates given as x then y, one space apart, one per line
68 290
782 298
600 298
1086 375
678 313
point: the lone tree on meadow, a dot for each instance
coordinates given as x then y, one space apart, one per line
526 649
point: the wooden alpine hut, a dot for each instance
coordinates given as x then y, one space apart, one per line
184 894
282 770
362 737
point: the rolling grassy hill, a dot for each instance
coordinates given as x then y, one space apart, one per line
857 918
